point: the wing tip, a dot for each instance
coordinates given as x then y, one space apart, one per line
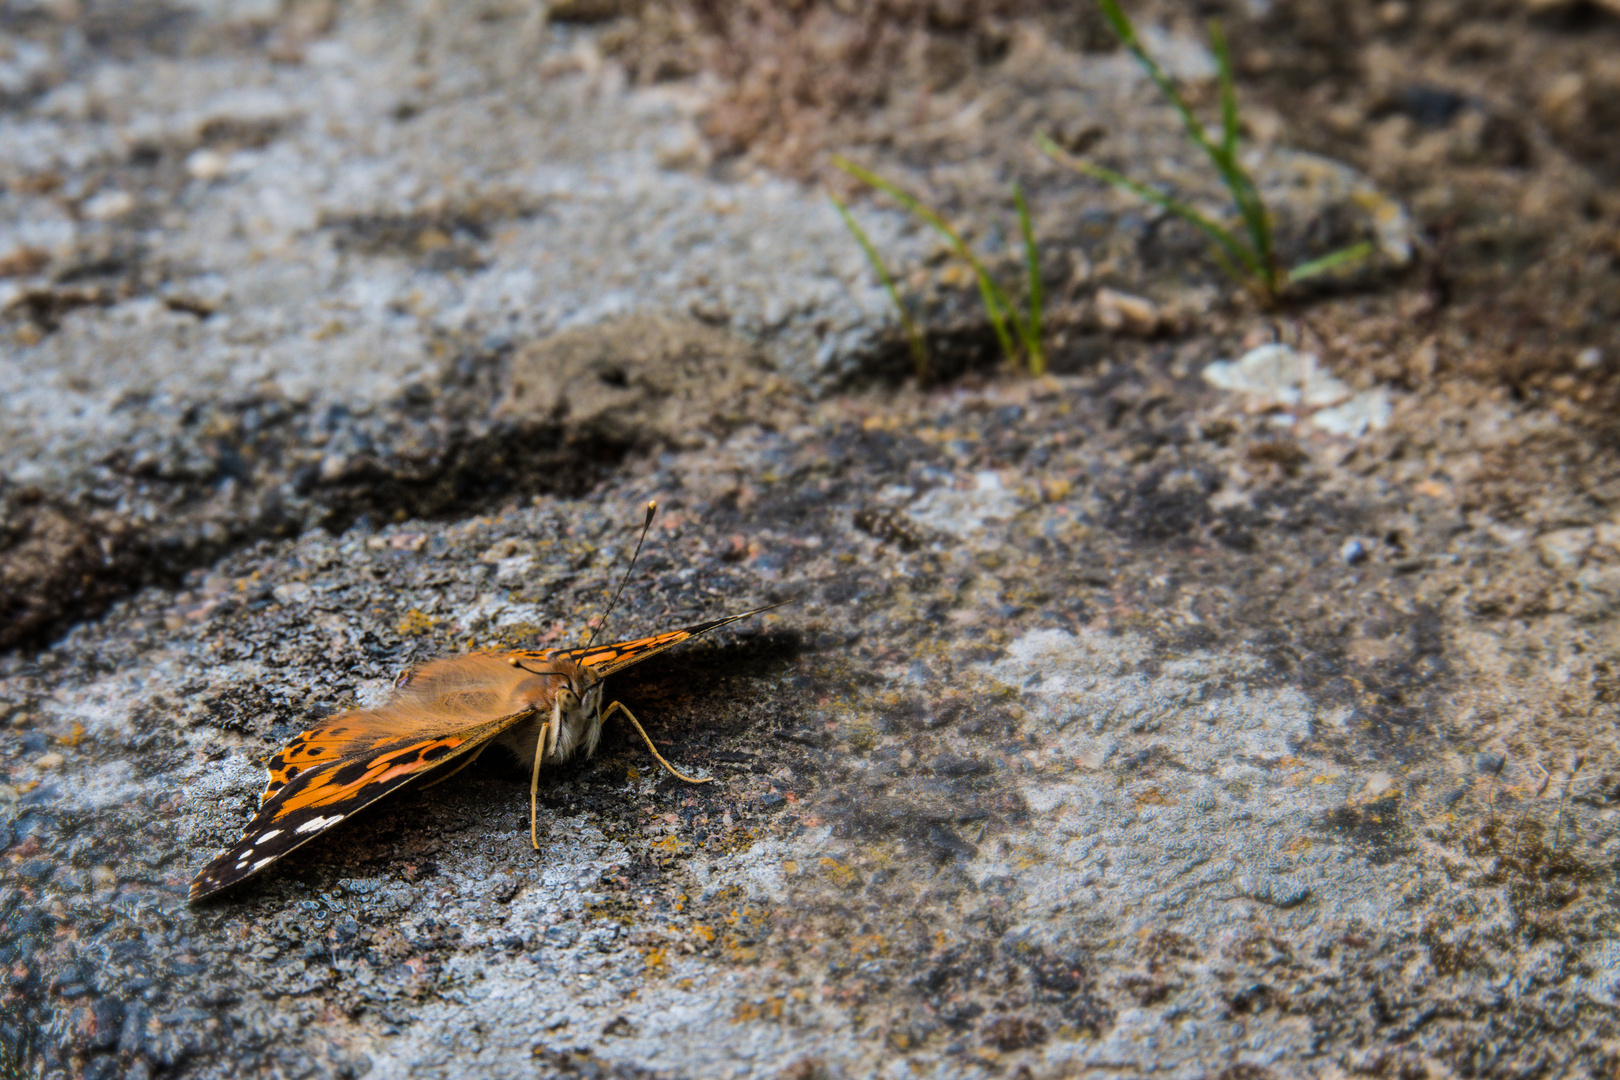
206 885
713 624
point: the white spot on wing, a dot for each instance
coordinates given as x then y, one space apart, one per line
266 836
316 824
262 863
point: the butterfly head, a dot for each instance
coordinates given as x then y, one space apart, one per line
580 695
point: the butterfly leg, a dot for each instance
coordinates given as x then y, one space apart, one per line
619 706
547 728
436 781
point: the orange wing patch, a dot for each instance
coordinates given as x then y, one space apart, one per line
438 713
604 660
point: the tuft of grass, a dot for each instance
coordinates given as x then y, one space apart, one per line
919 348
1019 334
1249 256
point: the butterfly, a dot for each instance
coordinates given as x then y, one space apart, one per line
543 705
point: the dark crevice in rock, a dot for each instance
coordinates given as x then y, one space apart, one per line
66 558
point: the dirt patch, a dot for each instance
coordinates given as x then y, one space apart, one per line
55 559
648 381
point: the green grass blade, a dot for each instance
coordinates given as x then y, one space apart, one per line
1331 261
919 349
1251 207
1121 25
1032 260
1116 19
995 301
1222 237
1229 109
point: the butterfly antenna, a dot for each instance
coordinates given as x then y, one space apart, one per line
652 508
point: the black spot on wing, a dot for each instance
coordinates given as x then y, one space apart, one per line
437 751
351 772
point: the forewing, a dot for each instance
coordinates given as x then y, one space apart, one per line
441 712
603 660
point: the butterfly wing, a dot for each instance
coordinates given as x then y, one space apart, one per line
438 713
603 660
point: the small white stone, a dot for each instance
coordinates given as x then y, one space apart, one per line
108 205
1278 375
1121 311
206 165
1368 409
1564 549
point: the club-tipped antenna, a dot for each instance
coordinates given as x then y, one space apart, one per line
652 508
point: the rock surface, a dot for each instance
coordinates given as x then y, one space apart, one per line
1116 725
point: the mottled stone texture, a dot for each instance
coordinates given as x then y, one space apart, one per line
1113 729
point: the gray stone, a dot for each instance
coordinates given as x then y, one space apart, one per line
1079 749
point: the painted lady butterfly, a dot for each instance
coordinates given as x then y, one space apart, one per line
542 705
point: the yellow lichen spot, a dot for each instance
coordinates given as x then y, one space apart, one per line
705 933
869 946
838 873
863 734
1299 845
656 959
74 737
414 623
684 984
631 773
768 1009
1153 797
790 868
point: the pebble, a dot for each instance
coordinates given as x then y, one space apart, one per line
1564 549
1119 311
205 165
1278 375
108 205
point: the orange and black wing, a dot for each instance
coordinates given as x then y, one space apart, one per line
603 660
327 773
